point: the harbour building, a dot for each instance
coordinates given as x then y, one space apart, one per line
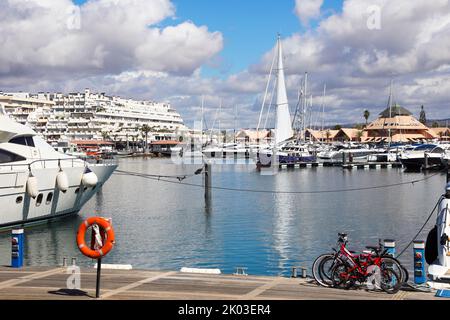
93 116
397 124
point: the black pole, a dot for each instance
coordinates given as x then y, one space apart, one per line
99 271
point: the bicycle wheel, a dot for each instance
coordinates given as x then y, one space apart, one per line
326 270
317 266
341 278
390 281
394 264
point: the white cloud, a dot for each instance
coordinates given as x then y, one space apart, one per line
111 37
307 10
122 49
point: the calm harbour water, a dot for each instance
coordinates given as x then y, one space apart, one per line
165 226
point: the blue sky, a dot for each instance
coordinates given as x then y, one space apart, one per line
249 27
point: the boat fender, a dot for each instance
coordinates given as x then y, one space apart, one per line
32 187
62 181
89 179
431 247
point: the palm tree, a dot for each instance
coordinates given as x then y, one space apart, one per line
105 135
359 135
366 115
328 134
146 129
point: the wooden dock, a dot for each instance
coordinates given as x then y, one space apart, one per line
42 283
349 166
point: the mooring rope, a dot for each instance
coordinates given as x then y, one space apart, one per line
423 226
163 178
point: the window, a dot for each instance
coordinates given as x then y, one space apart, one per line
39 199
6 156
19 199
23 140
49 198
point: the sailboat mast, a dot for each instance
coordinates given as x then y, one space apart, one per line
283 129
323 107
304 107
390 112
201 123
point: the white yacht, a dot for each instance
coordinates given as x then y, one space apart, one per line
415 159
37 183
227 150
355 152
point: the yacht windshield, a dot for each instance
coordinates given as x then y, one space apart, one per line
425 147
6 157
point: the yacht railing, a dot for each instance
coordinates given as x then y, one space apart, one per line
44 163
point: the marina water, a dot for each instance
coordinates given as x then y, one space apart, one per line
166 226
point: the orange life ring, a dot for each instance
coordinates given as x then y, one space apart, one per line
108 242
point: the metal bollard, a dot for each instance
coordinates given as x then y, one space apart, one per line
294 272
74 261
304 275
64 264
389 244
419 262
17 248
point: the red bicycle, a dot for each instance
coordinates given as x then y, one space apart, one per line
352 269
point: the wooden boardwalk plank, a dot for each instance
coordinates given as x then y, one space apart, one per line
50 283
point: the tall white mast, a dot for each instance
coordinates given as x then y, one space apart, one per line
201 123
323 107
390 113
283 128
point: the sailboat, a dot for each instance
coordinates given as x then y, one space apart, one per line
284 147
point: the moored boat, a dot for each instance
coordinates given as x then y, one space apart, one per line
37 183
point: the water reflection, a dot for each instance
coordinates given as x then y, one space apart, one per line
168 226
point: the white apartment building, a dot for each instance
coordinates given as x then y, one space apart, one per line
92 116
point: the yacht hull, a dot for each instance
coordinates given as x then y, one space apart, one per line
417 163
19 209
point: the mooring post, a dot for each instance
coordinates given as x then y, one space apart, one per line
419 262
426 161
389 245
17 249
207 183
344 159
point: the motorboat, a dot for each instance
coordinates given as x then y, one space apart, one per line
38 183
227 150
419 156
353 153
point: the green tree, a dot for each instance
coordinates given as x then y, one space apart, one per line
328 135
105 135
145 130
423 116
337 127
366 116
359 135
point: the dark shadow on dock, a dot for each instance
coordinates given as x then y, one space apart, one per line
71 293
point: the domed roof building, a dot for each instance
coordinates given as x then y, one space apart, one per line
397 124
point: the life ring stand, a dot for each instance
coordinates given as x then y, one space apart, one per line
108 244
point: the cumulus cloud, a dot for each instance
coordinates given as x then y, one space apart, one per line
121 49
307 9
44 37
